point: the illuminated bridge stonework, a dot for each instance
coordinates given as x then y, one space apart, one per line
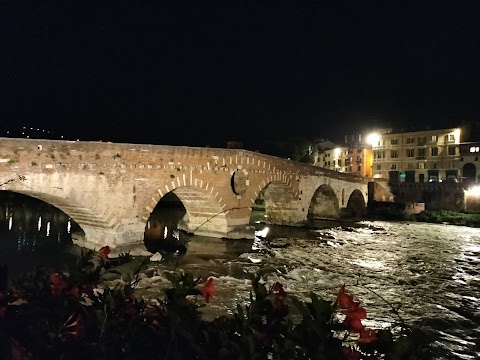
110 189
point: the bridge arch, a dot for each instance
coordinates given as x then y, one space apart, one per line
356 204
324 203
77 209
206 212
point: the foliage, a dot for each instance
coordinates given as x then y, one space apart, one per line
70 315
467 218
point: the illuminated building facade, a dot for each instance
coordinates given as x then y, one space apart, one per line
420 156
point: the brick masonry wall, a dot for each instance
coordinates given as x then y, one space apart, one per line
116 186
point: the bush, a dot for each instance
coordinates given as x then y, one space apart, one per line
70 315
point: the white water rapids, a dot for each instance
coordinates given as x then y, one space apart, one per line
431 270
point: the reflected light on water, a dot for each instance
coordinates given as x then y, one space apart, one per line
262 233
370 264
10 222
48 228
39 224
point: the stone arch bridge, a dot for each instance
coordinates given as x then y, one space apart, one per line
110 189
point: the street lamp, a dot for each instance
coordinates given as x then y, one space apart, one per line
373 139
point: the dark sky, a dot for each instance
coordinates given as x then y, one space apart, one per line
203 72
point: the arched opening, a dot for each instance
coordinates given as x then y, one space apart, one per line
356 204
324 204
33 232
182 214
469 173
161 229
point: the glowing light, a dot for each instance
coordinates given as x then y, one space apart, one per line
373 139
165 232
262 233
39 223
473 191
48 228
10 222
69 226
456 133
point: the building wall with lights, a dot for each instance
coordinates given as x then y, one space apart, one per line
353 157
421 156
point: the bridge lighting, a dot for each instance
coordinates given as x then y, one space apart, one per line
373 139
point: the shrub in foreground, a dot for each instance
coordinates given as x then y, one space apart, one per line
70 315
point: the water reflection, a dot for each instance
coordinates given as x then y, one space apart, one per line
32 233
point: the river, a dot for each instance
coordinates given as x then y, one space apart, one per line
431 270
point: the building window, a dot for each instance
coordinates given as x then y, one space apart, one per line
339 162
451 150
394 141
393 154
379 167
359 168
379 154
434 165
410 140
393 167
421 140
420 166
434 151
410 152
452 137
434 138
421 152
410 166
474 149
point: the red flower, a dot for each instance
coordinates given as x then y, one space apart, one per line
74 326
208 290
353 318
277 288
367 336
57 283
344 300
104 251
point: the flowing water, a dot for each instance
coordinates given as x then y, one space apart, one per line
431 270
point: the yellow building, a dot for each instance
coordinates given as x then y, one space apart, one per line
353 160
420 156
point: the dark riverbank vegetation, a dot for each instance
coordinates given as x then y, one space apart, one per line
464 218
72 314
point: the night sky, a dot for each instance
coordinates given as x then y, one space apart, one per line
203 72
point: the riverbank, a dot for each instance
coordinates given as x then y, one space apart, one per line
447 217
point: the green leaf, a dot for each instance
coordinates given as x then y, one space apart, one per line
301 307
